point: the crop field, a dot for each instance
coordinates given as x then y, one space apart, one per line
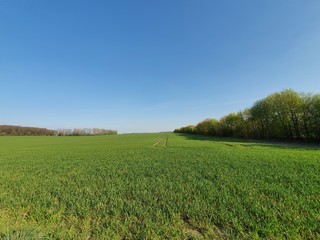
157 186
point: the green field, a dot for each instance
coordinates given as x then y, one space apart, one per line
157 186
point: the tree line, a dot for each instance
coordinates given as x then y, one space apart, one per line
85 132
10 130
286 115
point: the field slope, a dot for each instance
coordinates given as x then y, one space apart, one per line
157 186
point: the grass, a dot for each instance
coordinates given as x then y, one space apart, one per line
157 186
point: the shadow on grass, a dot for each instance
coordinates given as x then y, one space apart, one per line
253 142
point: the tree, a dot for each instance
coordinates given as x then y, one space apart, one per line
191 129
311 116
207 127
286 108
232 125
262 117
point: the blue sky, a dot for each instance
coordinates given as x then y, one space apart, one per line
141 66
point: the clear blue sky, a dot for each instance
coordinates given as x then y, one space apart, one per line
140 66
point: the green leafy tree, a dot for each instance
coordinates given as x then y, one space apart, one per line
207 127
232 125
286 108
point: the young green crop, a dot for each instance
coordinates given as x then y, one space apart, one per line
157 186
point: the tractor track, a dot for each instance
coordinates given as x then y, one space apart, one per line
164 139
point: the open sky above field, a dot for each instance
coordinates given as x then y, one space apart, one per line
140 66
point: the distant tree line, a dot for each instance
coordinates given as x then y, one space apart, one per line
9 130
85 132
286 115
